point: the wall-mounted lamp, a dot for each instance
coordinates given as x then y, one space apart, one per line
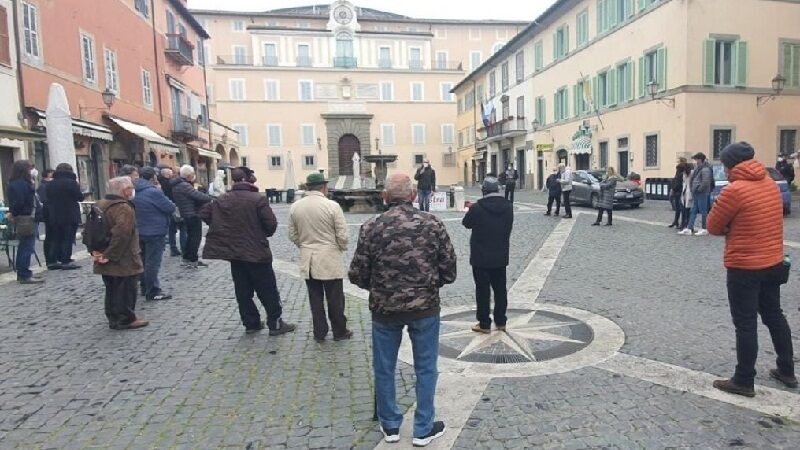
108 99
778 83
652 89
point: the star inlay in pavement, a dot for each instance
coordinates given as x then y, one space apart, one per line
525 339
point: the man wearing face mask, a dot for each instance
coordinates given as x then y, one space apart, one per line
426 184
785 168
189 201
120 263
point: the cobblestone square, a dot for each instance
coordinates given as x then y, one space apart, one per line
654 305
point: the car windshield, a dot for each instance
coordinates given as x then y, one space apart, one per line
593 177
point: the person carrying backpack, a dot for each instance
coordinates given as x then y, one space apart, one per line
553 192
701 184
113 240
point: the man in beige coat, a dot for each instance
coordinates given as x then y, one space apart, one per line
317 227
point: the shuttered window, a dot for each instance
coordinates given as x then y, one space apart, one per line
541 111
790 55
652 69
725 62
5 45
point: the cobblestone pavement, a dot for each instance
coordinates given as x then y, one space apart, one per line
194 380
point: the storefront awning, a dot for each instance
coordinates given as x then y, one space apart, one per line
21 134
156 142
80 127
206 153
581 145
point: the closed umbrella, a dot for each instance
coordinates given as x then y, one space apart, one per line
289 181
60 146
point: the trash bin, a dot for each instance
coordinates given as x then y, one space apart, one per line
290 196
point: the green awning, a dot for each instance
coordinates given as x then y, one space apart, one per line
21 134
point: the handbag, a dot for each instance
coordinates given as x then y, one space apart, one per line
24 226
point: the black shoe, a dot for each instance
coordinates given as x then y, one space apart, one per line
56 266
790 382
547 214
282 328
390 435
596 224
732 388
201 264
254 330
672 225
609 224
174 253
436 432
347 335
160 296
31 280
568 216
70 266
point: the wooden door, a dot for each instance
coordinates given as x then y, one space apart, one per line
348 146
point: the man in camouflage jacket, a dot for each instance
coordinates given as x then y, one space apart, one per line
403 257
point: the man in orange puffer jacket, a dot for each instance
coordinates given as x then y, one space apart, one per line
749 213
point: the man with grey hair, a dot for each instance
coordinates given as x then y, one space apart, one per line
165 177
128 171
120 263
189 201
403 257
565 179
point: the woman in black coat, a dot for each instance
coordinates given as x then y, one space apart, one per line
677 190
63 216
21 207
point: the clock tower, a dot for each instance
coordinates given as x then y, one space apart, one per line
343 17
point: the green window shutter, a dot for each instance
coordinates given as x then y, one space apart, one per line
794 69
629 7
741 63
565 50
641 80
600 9
629 82
612 12
611 87
544 111
642 5
555 46
709 64
786 54
596 92
565 93
661 67
576 109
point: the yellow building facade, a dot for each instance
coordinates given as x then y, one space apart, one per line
314 85
635 84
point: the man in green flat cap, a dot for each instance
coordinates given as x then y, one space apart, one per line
318 228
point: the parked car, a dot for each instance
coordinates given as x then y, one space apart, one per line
586 190
720 181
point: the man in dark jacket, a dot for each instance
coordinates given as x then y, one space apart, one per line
785 168
165 177
403 258
512 175
553 192
491 220
677 190
120 263
426 184
189 201
240 221
701 183
153 211
63 216
41 192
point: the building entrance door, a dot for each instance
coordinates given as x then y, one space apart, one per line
348 146
521 168
6 161
582 161
540 170
623 163
96 169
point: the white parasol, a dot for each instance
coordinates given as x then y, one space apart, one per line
289 181
60 146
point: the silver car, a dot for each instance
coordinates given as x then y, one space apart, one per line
586 190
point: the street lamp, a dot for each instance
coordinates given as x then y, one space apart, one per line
652 89
778 83
108 99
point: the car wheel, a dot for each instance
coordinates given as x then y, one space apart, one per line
636 205
595 202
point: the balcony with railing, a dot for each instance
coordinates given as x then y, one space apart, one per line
303 61
269 61
345 62
179 49
441 64
385 63
184 128
415 64
504 129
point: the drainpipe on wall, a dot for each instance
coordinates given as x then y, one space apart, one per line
155 58
20 85
475 127
208 109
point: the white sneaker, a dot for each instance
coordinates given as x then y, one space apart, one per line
702 232
685 232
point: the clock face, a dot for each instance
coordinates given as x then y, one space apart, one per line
343 15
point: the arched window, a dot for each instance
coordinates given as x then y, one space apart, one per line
344 50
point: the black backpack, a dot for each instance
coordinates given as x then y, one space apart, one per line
712 183
96 232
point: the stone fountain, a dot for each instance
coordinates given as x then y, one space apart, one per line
363 196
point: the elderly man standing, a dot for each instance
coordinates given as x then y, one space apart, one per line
403 258
120 263
317 227
240 221
153 212
749 213
189 201
165 177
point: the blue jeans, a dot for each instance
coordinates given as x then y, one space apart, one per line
152 251
699 205
386 337
24 253
424 200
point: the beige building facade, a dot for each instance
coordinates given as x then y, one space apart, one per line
306 88
635 84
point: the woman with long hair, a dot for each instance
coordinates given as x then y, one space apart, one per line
22 208
606 201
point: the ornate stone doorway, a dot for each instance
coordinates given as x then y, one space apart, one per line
348 146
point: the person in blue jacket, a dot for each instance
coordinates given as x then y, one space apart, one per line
153 212
21 208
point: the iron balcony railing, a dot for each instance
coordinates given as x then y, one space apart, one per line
184 127
179 49
303 61
269 61
385 63
506 127
345 62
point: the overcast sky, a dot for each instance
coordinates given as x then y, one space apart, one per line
421 9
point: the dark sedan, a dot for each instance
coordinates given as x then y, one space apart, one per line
586 190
